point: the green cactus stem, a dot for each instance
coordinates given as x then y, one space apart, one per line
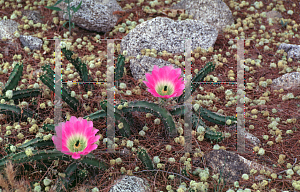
215 118
145 158
15 112
80 67
209 67
71 101
14 78
21 94
158 111
120 67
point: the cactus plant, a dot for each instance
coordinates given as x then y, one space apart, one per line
80 67
215 118
15 112
145 158
22 157
21 94
71 101
166 116
198 78
120 67
14 78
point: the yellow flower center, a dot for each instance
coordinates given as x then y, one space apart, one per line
165 90
77 144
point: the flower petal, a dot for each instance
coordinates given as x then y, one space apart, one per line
90 148
68 129
57 142
65 148
58 129
73 119
75 156
173 77
93 140
153 92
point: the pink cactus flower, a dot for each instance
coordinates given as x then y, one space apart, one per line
75 137
165 82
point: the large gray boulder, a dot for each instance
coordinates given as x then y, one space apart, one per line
212 12
139 67
162 33
93 15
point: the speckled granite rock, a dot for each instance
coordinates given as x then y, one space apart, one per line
248 136
213 12
162 33
130 184
7 30
31 42
139 67
33 15
293 51
287 81
234 167
93 15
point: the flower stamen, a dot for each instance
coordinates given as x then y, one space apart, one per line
77 144
165 90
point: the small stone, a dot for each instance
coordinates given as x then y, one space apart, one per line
287 81
132 184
